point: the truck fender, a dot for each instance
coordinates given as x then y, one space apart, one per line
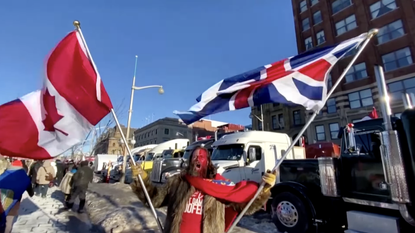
298 189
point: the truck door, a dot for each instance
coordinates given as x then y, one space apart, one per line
254 167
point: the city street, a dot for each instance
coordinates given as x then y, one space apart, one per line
48 216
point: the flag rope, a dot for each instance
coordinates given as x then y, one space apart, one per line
77 25
370 35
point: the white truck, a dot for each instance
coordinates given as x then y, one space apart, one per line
248 155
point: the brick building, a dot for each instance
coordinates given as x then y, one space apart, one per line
326 22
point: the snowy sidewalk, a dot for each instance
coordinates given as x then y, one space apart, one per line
48 216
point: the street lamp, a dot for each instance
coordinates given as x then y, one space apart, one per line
130 111
259 119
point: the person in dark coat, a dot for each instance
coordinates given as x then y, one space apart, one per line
79 185
60 167
33 173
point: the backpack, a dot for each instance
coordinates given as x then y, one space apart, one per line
49 177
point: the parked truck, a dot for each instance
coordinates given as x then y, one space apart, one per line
168 167
370 188
247 155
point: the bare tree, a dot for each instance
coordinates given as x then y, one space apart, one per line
104 133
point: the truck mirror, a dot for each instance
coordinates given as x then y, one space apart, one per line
251 154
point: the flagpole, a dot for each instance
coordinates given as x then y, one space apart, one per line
370 35
77 25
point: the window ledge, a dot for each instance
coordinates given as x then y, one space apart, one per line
348 31
405 34
317 23
356 80
383 14
341 9
403 67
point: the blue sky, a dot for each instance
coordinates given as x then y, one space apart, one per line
184 45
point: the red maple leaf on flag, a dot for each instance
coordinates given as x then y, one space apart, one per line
52 116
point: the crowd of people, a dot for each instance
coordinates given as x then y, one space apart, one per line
71 177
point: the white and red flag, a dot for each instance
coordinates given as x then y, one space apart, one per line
372 115
47 122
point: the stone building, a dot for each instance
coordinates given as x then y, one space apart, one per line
321 23
171 128
110 141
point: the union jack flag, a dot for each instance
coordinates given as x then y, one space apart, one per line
298 80
221 182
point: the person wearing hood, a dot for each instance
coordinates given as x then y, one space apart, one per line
34 168
79 184
45 175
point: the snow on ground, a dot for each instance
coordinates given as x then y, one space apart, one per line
114 208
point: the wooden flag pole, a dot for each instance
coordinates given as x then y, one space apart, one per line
370 35
77 25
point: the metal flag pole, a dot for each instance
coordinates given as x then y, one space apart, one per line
77 25
370 34
130 111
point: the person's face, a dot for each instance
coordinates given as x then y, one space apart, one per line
199 163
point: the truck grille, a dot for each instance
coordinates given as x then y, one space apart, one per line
156 172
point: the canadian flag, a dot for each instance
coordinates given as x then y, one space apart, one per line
47 122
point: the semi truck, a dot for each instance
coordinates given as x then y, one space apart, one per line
369 188
168 167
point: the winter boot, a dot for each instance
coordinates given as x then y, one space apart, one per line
81 206
68 206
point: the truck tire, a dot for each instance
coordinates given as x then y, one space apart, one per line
290 213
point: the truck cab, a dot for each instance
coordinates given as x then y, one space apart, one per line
248 155
170 166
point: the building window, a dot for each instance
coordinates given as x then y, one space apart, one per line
382 7
314 2
320 134
329 82
317 18
113 144
339 5
274 122
346 25
356 72
396 89
303 6
166 131
281 121
361 98
331 105
297 117
320 37
334 130
306 24
260 125
391 31
308 43
156 131
397 59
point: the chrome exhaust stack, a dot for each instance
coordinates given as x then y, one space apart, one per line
392 161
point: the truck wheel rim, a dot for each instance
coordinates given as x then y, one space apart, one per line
287 214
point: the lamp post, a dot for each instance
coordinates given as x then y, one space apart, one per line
130 111
259 119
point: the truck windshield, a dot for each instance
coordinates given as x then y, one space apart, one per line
228 152
186 155
149 157
167 153
365 144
